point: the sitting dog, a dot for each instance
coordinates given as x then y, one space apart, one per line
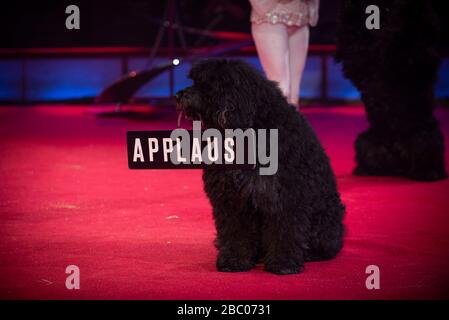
285 219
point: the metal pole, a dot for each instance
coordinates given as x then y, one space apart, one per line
171 44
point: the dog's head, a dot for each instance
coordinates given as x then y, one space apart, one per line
226 94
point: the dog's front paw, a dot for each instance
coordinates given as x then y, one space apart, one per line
284 269
230 263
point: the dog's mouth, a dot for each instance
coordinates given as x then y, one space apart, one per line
182 114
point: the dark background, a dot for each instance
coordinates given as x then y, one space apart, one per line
128 22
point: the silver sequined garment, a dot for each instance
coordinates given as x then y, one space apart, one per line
288 12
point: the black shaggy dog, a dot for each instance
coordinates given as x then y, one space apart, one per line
395 69
285 219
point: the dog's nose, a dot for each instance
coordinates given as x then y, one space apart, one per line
178 95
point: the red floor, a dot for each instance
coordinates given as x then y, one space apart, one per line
67 197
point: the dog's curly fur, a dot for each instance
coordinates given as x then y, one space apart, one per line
395 69
284 219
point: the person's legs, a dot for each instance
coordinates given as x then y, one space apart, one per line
298 45
272 47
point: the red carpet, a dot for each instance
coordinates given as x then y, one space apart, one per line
68 197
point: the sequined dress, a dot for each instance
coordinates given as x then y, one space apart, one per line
288 12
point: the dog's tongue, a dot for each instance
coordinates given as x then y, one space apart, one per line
179 118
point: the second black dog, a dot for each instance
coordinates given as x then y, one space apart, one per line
285 219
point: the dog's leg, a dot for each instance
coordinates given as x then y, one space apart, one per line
424 151
326 238
237 240
375 155
284 242
418 155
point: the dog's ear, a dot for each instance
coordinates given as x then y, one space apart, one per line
227 89
242 92
248 94
232 117
238 108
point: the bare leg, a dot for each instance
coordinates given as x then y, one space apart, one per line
272 47
298 45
